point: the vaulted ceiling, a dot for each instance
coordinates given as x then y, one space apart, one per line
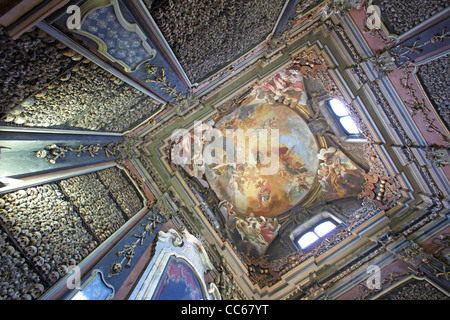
138 71
208 35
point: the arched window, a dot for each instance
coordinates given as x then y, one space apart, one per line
306 239
342 117
313 234
324 228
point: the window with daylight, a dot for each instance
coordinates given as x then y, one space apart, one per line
315 233
342 117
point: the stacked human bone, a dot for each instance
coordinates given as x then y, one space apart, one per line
124 194
434 78
208 34
45 233
94 204
18 281
46 229
405 15
47 84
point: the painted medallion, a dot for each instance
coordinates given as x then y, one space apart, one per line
248 185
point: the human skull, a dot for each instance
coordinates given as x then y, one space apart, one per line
46 268
84 252
21 194
37 236
8 117
9 197
36 290
14 295
62 270
15 231
53 276
10 250
31 192
47 229
72 262
31 251
117 267
41 153
7 219
23 241
26 296
55 224
38 261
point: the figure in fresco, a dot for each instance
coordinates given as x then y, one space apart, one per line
264 193
269 228
285 154
282 83
249 121
335 171
284 87
297 181
244 183
295 170
256 233
227 210
272 123
233 123
249 231
187 151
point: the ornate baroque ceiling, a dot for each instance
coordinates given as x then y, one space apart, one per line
132 73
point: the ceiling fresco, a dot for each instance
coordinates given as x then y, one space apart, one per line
269 160
351 180
269 186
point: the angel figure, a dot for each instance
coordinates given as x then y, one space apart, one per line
334 169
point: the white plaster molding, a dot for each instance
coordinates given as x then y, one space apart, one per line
183 246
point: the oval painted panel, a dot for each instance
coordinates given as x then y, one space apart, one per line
248 185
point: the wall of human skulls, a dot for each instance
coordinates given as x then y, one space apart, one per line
401 16
433 76
206 35
47 84
45 229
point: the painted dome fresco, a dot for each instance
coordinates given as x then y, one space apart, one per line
266 183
